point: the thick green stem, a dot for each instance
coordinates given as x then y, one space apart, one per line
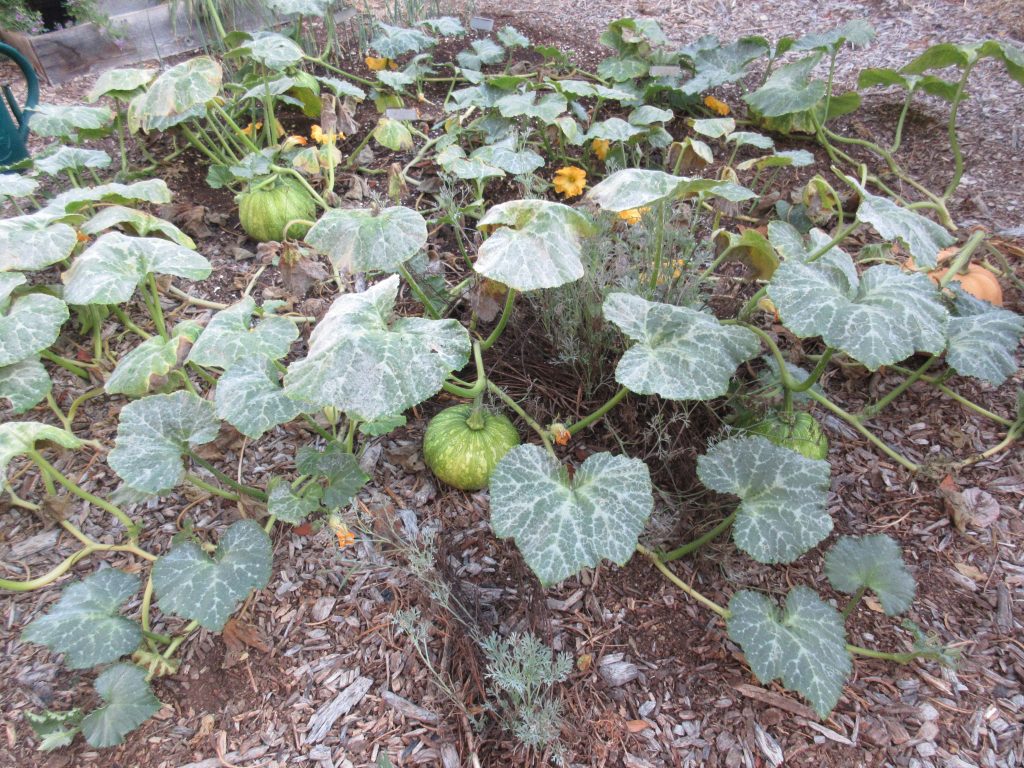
128 324
962 258
543 433
227 479
198 482
854 422
191 627
659 246
970 404
899 658
506 313
157 310
954 142
586 421
706 602
51 471
63 362
875 408
853 602
697 543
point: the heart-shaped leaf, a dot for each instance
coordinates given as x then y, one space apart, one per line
392 42
152 435
545 108
85 625
109 270
35 241
511 37
563 525
714 128
139 222
120 84
188 583
923 237
879 319
343 88
362 363
69 121
28 325
983 339
148 191
783 496
73 159
621 69
393 134
788 89
272 50
875 563
288 506
128 704
638 188
364 239
454 161
484 51
613 129
680 353
751 139
179 94
646 115
146 367
716 65
24 385
249 397
20 437
505 156
538 245
13 185
804 645
444 26
231 336
340 468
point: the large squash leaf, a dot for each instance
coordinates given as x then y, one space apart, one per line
392 42
562 525
544 107
364 239
188 583
361 362
983 339
140 223
20 437
179 94
69 121
28 325
24 385
230 336
34 241
789 89
803 645
152 435
129 702
872 562
783 496
880 318
249 397
923 237
85 625
680 353
537 244
109 270
73 159
146 367
120 83
73 200
272 50
636 188
716 65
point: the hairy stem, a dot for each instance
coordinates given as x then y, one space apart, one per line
693 546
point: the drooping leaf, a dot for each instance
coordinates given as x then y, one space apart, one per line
855 32
147 191
109 270
24 385
680 353
511 37
923 237
717 65
249 397
152 435
35 241
146 367
85 624
484 51
54 729
188 583
392 42
362 363
880 318
20 437
28 325
714 128
545 108
341 469
505 156
647 115
120 83
128 704
538 245
364 239
795 158
639 188
288 506
621 69
873 562
613 129
393 134
13 185
783 496
454 161
788 89
299 7
179 94
444 26
751 139
231 336
563 525
983 339
273 50
803 645
73 159
140 222
70 122
343 88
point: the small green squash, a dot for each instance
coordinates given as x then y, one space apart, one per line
803 434
462 447
265 210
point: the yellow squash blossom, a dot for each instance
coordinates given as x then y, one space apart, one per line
570 181
345 537
295 141
717 106
633 215
601 147
377 63
318 135
560 433
252 128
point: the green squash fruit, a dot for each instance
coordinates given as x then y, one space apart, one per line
463 450
266 210
803 434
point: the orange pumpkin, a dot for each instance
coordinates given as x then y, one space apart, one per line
977 281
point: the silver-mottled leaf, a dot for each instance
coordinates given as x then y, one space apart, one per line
179 94
273 50
71 159
19 437
361 362
613 129
231 336
636 188
35 241
69 121
108 271
249 397
120 83
288 506
717 64
505 156
140 223
85 624
188 583
788 90
783 496
562 526
444 26
983 339
393 42
804 645
28 325
152 435
24 385
147 191
715 127
874 562
923 237
361 239
147 366
128 704
544 107
15 185
680 353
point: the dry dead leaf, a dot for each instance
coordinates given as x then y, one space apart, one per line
971 571
983 507
635 726
487 299
192 218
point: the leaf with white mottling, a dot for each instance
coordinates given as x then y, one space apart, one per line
70 121
505 156
109 270
393 134
54 730
148 191
983 339
393 42
35 241
28 325
365 364
783 496
140 223
445 26
362 239
646 115
680 353
638 188
272 50
249 397
15 185
146 367
880 319
622 69
85 624
562 526
71 159
923 237
872 562
343 88
804 645
299 7
152 435
179 94
188 583
24 385
714 128
120 83
129 702
751 139
788 90
613 129
795 158
545 108
231 336
288 506
339 467
20 437
538 246
717 65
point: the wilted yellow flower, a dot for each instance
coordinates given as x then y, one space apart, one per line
345 537
717 106
296 141
561 435
601 147
633 215
252 128
570 181
318 135
377 63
